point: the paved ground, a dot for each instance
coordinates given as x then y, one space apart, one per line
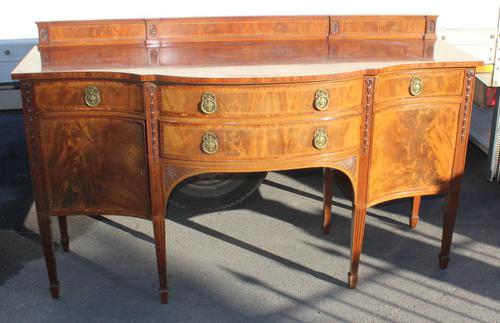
265 260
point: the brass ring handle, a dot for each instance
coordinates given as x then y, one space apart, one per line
321 100
320 138
208 103
92 96
416 86
209 143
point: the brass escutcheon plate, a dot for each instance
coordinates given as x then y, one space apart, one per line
321 100
320 138
208 103
92 96
209 143
416 86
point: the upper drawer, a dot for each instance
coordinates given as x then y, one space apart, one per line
419 83
257 100
52 96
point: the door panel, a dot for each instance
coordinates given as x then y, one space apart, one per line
412 150
95 165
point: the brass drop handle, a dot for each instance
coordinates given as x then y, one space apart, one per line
208 103
209 143
92 96
321 100
416 86
320 138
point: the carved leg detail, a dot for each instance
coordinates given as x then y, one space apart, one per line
161 255
327 199
357 234
450 214
63 228
48 251
415 210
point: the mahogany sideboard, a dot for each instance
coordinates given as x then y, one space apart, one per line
118 112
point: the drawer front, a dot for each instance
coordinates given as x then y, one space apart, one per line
419 83
88 95
246 142
230 101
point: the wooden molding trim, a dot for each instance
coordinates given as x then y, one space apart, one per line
163 31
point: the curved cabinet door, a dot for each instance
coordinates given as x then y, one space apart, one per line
95 165
412 150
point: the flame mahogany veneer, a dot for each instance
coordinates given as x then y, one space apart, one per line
117 112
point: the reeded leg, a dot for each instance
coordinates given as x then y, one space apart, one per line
357 234
63 228
414 213
161 255
450 213
327 199
48 251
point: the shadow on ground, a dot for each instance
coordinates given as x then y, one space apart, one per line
293 200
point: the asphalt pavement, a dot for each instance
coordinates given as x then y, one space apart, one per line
265 260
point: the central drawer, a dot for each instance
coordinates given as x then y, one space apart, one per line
202 141
262 100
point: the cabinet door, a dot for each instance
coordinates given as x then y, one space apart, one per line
95 165
412 150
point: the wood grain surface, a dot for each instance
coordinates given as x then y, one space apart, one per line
95 166
436 83
95 32
279 100
236 29
413 150
126 154
70 96
258 142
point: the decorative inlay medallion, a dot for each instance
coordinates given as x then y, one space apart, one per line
154 56
431 26
152 31
335 27
44 35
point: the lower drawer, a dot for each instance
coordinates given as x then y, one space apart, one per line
193 141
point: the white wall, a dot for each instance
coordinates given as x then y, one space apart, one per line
17 17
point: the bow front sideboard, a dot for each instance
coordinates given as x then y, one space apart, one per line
118 112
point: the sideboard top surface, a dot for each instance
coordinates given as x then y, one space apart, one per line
238 50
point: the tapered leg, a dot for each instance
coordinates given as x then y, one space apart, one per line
161 255
415 210
450 214
357 234
48 251
327 199
63 228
